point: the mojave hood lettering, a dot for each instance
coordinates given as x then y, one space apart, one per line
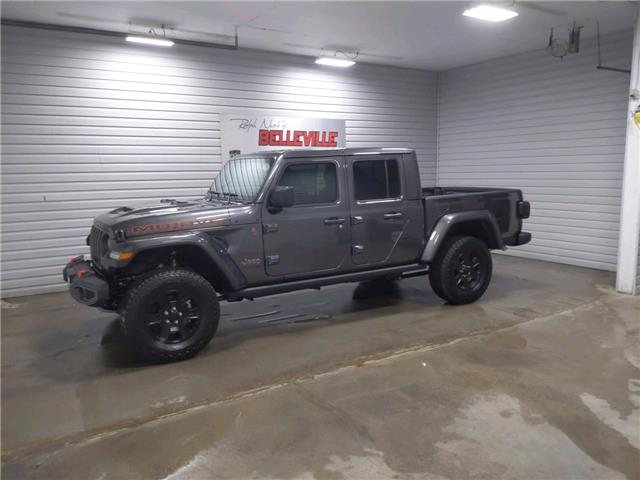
177 225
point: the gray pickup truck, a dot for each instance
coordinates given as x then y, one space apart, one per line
279 221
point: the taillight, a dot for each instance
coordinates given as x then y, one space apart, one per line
523 209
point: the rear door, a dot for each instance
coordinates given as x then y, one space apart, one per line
312 236
385 226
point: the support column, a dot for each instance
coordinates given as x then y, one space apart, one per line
627 273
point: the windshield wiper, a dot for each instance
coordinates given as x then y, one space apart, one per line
229 195
211 193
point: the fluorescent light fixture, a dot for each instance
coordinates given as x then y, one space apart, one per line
335 62
160 42
490 13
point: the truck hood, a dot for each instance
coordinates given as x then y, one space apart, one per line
166 216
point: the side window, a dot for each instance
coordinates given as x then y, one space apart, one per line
376 179
312 182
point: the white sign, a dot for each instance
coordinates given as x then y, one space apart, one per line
247 133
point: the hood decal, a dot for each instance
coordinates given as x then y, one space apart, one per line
175 226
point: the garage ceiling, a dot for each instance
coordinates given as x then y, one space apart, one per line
427 35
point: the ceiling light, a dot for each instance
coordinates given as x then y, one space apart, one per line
160 42
335 62
490 13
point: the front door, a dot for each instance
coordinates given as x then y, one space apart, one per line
385 226
311 236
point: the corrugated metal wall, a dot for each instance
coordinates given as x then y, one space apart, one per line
556 129
90 123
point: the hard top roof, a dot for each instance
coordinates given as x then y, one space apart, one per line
321 152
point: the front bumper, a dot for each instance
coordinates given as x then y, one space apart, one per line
85 285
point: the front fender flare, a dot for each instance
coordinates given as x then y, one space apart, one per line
446 222
211 246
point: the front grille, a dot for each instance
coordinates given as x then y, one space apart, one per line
98 244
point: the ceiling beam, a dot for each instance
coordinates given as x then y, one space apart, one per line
111 33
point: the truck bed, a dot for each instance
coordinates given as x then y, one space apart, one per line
501 202
439 191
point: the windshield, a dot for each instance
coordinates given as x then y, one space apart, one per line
242 178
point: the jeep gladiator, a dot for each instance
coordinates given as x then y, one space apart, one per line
279 221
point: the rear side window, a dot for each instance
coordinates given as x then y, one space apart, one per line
376 179
312 182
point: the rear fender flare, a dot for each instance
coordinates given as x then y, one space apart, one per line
447 222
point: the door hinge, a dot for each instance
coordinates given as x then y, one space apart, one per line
269 227
273 259
356 249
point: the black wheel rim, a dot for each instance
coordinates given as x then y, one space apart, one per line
468 271
173 315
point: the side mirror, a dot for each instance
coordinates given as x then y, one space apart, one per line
282 196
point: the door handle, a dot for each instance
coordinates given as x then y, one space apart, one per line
333 221
389 216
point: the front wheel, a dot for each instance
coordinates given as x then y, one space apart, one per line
170 315
461 271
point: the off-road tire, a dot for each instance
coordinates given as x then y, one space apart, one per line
134 315
444 271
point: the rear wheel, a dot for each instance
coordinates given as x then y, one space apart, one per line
461 271
171 315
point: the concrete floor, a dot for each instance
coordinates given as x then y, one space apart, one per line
539 379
